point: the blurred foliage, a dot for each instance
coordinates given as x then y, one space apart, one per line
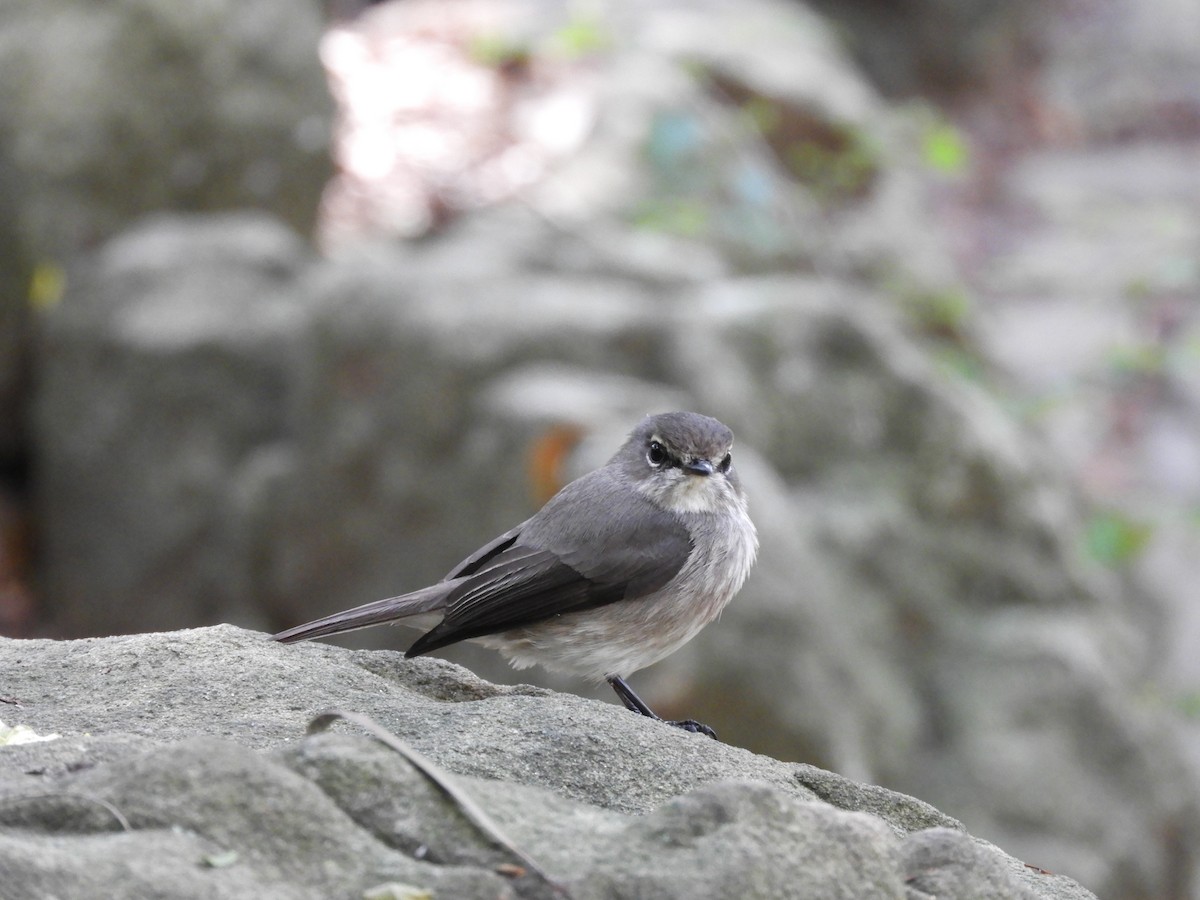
1041 404
1188 703
944 148
675 140
837 161
1173 273
702 187
674 152
845 169
686 217
582 36
1140 288
46 285
703 184
499 51
961 362
1114 538
1138 359
762 113
941 312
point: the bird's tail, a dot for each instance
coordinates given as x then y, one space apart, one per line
379 612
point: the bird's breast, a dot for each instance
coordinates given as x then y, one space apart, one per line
627 635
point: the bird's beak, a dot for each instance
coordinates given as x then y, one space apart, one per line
698 467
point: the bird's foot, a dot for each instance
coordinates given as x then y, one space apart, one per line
694 727
635 703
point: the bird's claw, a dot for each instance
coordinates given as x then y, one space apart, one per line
695 727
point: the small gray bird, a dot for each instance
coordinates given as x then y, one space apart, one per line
618 570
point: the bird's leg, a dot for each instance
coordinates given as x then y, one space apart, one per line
631 700
635 703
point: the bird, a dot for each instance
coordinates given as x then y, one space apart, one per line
615 572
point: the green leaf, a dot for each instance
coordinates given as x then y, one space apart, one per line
1138 359
1188 703
1115 539
946 309
498 51
945 149
686 218
582 37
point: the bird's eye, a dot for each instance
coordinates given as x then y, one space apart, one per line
657 454
726 462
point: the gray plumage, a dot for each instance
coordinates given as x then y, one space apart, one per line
620 568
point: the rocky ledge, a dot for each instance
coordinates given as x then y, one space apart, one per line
180 767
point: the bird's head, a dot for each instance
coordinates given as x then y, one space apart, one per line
683 462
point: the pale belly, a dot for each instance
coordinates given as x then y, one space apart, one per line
622 637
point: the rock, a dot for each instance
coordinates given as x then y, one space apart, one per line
724 137
947 863
162 416
918 592
932 47
1129 69
176 748
16 270
230 428
122 110
402 465
921 591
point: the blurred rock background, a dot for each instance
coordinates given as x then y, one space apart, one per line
299 304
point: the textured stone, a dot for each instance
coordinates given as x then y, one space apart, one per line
180 772
161 417
119 110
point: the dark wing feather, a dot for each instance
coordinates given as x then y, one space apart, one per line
522 587
575 554
485 554
619 538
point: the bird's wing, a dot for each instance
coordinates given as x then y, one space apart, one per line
485 554
579 559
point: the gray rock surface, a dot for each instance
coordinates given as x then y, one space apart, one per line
163 401
179 770
230 429
940 48
921 593
919 607
16 270
1126 69
115 111
1087 300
